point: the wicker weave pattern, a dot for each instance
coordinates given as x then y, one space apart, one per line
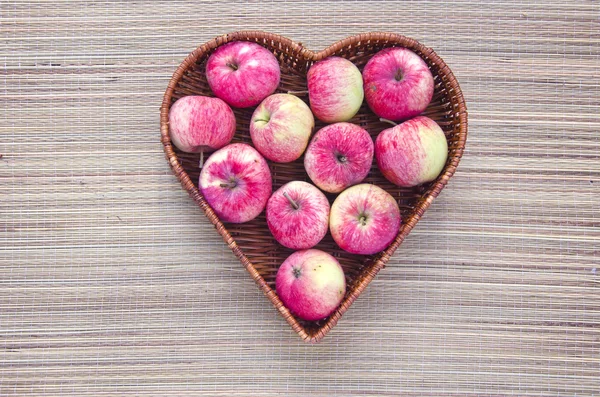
251 242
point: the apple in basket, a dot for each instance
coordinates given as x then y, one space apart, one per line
242 73
364 219
236 183
335 89
281 126
412 153
398 84
339 155
199 123
298 215
311 284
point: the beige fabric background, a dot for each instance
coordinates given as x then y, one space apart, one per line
113 283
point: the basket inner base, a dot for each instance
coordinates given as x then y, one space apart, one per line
254 237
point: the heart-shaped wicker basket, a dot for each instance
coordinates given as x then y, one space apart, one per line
252 242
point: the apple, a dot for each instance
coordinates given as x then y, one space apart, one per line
311 284
412 153
338 156
236 183
199 123
335 89
298 215
398 84
242 73
364 219
280 127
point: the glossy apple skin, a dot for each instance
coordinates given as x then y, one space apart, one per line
242 73
281 126
324 158
248 180
364 219
335 89
397 99
412 153
302 227
200 123
311 284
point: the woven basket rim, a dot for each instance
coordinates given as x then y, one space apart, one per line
422 205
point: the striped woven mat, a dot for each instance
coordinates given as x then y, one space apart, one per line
112 282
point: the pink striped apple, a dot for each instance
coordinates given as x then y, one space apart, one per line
242 73
398 84
311 284
199 123
335 89
236 183
364 219
298 215
412 153
339 155
280 127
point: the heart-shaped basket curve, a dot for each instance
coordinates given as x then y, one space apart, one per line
252 242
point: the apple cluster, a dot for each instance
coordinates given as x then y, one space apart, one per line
236 180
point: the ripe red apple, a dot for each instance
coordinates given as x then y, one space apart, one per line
335 89
311 284
281 126
242 73
364 219
398 84
236 183
339 155
412 153
298 215
200 123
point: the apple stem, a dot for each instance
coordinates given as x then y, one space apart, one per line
388 121
399 75
231 184
298 92
363 220
201 163
292 202
232 66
